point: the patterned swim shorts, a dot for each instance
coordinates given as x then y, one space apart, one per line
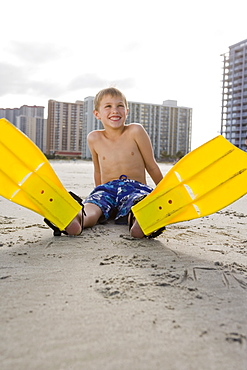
115 198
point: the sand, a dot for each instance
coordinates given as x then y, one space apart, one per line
105 301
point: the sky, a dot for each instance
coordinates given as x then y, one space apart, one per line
151 50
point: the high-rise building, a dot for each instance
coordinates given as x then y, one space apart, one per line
64 128
234 95
168 126
10 114
30 120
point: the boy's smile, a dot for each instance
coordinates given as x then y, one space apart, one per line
115 118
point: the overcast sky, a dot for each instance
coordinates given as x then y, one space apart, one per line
151 50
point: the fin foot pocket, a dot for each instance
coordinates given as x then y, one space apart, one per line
155 233
56 230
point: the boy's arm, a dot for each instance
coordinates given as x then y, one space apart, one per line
144 144
97 174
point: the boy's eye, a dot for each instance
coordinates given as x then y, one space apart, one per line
119 106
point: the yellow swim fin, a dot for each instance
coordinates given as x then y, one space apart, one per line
204 181
27 178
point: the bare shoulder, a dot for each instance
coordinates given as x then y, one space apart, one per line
94 135
135 128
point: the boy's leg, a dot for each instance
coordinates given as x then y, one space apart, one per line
93 213
89 219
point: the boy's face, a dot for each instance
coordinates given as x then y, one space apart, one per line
112 111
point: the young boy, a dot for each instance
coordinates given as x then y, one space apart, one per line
121 154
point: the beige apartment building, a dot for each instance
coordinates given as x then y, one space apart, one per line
64 128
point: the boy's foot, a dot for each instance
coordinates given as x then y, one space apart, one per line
136 231
75 227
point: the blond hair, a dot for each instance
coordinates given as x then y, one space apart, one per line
108 91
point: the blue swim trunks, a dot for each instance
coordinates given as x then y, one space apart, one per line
115 198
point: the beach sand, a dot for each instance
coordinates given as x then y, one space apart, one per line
103 301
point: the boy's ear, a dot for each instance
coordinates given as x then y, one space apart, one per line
96 113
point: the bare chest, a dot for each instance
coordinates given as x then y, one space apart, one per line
122 151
